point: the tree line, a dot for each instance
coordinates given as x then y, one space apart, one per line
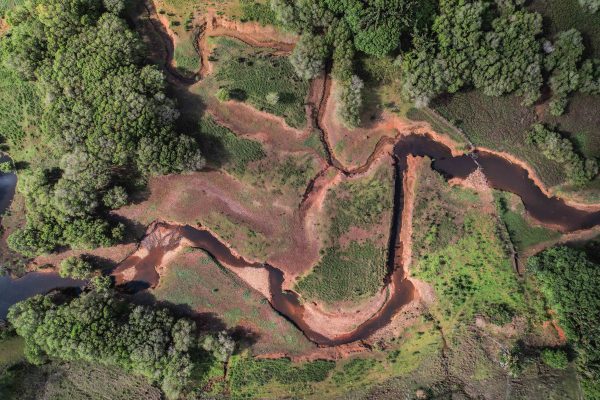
104 121
100 327
443 47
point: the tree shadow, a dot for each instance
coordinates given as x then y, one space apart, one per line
206 322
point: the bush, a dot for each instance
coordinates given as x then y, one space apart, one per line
555 358
590 5
350 102
223 95
556 148
272 98
76 268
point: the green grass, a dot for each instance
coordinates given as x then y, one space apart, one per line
522 234
73 381
295 172
356 269
6 5
251 74
11 351
352 273
19 106
186 57
222 146
361 203
252 378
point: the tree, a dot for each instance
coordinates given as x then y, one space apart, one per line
104 114
223 95
563 62
76 268
116 197
350 102
556 148
590 5
568 278
220 346
309 56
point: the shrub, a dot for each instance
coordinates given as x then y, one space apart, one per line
76 268
223 95
350 102
555 358
272 98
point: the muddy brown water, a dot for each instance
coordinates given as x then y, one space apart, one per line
500 173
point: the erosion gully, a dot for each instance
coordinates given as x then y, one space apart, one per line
500 173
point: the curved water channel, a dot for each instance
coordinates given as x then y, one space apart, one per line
500 173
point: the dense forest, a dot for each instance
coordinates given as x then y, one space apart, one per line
104 121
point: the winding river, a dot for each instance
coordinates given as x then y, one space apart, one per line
501 174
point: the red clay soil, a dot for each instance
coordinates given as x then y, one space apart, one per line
251 33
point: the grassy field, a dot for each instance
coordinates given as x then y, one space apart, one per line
251 74
11 351
223 148
194 282
522 233
74 381
186 57
353 265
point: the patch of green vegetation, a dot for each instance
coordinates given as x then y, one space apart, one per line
260 12
314 142
253 378
360 203
458 250
19 106
222 146
186 57
11 351
354 370
252 74
522 234
352 273
75 381
295 172
7 5
569 279
468 274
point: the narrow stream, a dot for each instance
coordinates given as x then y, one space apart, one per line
500 173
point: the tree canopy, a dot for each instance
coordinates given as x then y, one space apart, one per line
98 327
570 280
104 117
